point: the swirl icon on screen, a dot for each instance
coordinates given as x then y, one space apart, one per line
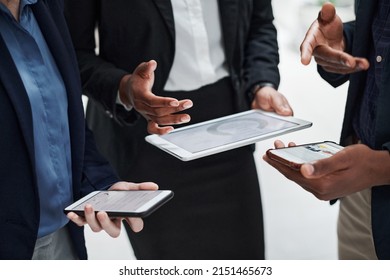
235 126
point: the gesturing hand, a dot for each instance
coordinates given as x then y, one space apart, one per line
325 41
136 91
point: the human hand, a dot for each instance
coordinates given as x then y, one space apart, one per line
136 91
269 99
101 221
352 169
325 41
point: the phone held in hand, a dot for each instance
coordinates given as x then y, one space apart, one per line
295 156
134 203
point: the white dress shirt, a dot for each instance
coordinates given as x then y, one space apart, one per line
199 53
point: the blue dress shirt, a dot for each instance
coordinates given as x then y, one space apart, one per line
48 99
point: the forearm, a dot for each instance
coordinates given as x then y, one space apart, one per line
262 51
100 79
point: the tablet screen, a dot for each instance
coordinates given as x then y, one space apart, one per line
227 131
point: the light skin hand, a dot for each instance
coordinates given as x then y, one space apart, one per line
136 91
353 169
325 42
269 99
112 226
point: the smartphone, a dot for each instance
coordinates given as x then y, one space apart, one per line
295 156
137 203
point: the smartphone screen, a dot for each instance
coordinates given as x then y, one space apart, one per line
297 155
122 203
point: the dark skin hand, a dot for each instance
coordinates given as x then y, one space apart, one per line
352 169
135 91
356 167
162 112
325 42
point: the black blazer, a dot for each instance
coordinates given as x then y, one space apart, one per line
135 31
358 38
19 201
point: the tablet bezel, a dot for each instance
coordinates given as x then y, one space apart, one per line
112 210
186 155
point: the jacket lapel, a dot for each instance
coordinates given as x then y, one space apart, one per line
13 84
365 10
229 17
166 11
53 26
58 42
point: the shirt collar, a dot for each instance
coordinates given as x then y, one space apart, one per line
23 3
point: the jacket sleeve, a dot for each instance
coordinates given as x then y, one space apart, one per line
100 78
97 173
261 48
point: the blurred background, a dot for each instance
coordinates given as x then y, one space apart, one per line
297 225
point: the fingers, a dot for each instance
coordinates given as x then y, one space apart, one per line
111 226
281 106
80 221
309 44
136 224
101 221
327 30
146 69
320 168
170 119
90 218
148 186
162 115
269 99
327 14
161 106
149 100
129 186
326 55
279 144
338 61
154 128
359 64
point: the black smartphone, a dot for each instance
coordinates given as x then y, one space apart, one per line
137 203
295 156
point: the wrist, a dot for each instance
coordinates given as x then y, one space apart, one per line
383 167
123 92
259 86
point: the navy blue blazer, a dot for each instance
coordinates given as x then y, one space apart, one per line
358 38
19 200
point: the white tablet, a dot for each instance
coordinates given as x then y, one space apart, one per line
226 133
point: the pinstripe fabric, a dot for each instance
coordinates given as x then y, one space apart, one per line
364 123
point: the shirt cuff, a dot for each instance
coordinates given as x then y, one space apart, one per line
256 87
119 101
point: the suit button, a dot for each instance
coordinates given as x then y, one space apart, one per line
379 59
109 114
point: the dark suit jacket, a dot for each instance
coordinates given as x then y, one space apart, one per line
358 37
135 31
19 201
